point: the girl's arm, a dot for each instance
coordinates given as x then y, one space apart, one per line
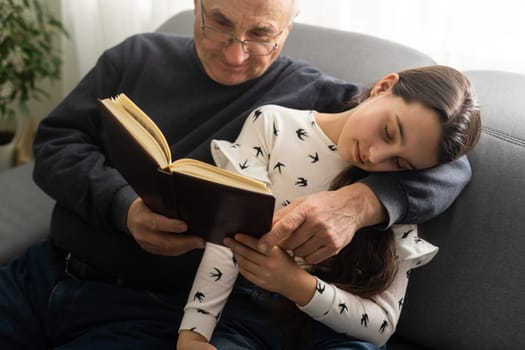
373 320
211 288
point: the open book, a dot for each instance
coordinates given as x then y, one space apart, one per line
214 202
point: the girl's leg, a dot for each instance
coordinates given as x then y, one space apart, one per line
323 337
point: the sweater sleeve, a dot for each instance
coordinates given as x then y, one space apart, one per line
417 196
70 164
211 288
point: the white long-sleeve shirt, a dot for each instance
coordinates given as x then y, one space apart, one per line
286 149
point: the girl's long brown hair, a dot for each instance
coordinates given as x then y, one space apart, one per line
366 266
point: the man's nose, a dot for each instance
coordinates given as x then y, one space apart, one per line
234 53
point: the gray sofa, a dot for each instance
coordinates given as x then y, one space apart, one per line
472 295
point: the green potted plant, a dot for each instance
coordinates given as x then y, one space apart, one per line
29 54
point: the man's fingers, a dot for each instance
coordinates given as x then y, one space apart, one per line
282 229
279 214
169 244
318 256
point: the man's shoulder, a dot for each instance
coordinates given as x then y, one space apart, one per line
157 39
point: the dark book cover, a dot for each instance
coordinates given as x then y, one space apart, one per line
210 209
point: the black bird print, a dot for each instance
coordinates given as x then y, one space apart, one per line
301 182
217 274
275 130
383 326
199 296
400 303
332 147
320 287
258 151
285 202
234 261
315 157
342 308
203 311
279 166
256 114
301 133
405 234
417 240
235 145
244 165
193 329
364 320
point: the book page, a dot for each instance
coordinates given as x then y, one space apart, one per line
146 140
146 122
212 173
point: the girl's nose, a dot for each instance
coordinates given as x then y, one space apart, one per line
378 154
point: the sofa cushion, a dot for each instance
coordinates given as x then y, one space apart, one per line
472 294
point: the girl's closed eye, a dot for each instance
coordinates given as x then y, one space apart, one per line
387 136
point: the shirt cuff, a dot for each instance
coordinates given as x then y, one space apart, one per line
197 321
322 301
391 196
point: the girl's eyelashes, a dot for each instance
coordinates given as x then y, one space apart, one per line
398 163
387 136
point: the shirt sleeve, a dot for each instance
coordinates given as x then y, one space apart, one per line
249 153
211 288
372 319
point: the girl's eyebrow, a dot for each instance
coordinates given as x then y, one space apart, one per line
401 130
402 138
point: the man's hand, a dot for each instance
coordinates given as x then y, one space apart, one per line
318 226
189 340
158 234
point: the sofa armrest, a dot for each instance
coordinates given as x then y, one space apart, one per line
25 212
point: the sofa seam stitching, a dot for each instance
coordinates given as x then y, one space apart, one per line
503 136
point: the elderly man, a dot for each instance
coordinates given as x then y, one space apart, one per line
115 275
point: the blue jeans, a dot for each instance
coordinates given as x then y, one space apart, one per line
247 323
42 308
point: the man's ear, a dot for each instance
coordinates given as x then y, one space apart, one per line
384 85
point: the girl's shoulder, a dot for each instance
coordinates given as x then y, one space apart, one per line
281 113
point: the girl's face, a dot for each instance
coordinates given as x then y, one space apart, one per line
384 133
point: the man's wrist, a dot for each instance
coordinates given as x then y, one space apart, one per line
372 210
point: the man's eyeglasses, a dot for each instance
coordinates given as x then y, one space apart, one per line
253 47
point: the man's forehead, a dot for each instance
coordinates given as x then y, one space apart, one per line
250 13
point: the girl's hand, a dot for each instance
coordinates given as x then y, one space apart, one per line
274 271
189 340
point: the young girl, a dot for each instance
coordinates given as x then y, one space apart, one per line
412 120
